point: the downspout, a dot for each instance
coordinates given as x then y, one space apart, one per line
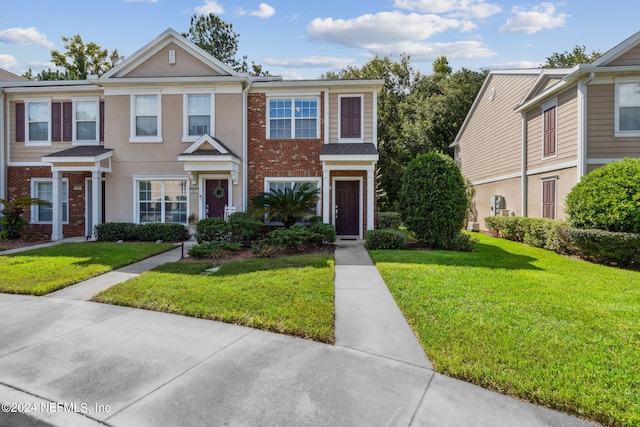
582 126
245 145
3 169
524 180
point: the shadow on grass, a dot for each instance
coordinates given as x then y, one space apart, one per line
485 256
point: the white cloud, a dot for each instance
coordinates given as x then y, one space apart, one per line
384 27
9 62
292 75
25 36
540 17
429 51
264 11
209 6
464 8
309 62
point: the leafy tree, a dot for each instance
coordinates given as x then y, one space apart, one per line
608 198
398 77
217 37
569 59
83 59
50 74
12 221
290 203
433 200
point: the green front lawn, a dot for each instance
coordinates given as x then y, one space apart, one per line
526 322
40 271
291 295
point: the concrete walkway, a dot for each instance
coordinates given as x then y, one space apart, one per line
127 367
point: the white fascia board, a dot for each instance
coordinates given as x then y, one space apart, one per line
52 89
321 84
208 159
349 158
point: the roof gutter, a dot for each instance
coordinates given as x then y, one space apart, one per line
3 163
245 145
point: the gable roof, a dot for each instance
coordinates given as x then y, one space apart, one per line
7 76
168 36
616 51
208 145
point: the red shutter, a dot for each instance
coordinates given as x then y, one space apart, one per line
351 115
101 120
67 121
550 132
56 121
549 199
20 122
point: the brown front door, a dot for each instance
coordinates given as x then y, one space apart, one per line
216 197
347 207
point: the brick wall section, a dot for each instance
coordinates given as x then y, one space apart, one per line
19 184
363 174
278 157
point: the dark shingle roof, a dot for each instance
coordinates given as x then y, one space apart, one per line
82 151
351 149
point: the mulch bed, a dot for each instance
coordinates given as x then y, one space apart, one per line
246 253
14 244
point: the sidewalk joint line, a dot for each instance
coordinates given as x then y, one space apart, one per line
422 399
386 357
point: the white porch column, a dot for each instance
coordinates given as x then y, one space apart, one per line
371 191
56 207
96 201
326 182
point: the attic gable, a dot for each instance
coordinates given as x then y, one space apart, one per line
208 145
169 55
625 53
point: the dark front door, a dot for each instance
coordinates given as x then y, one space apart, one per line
216 197
347 207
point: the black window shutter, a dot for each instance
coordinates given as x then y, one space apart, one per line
20 122
101 120
56 123
67 121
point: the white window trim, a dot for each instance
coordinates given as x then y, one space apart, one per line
28 142
293 98
551 104
34 208
350 140
163 179
185 114
132 118
616 112
555 196
75 140
317 180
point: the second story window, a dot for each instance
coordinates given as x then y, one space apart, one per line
86 120
38 116
198 116
627 109
146 121
290 118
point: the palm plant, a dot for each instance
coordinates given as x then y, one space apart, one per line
290 203
12 221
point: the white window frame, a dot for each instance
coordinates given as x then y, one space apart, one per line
34 193
185 115
132 119
293 98
551 104
350 140
95 141
555 196
617 132
163 179
317 180
27 140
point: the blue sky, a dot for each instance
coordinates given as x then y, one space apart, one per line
302 39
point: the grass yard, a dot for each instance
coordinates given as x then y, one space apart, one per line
40 271
290 295
526 322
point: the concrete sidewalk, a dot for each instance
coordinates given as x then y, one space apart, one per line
127 367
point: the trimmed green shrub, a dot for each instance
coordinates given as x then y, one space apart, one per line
388 220
463 242
506 227
606 247
289 239
114 231
241 227
607 198
323 234
213 249
211 230
538 232
433 199
386 239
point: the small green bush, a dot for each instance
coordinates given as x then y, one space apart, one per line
463 242
114 231
607 198
241 227
507 227
386 239
323 234
388 220
289 239
538 232
433 199
213 249
211 230
606 247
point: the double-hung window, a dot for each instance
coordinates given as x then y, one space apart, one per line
198 118
85 114
161 201
146 118
293 118
38 122
627 112
283 184
42 188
